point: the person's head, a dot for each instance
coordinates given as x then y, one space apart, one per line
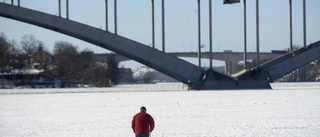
143 109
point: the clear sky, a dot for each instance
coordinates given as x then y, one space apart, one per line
134 22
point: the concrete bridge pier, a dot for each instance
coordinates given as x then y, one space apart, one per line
228 67
245 79
217 80
254 79
231 66
234 65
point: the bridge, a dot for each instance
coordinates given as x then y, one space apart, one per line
196 77
231 58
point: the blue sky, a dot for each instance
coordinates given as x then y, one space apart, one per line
134 22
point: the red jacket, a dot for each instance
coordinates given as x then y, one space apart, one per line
142 123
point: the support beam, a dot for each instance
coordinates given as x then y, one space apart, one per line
257 33
59 1
304 25
153 35
67 10
290 20
18 3
303 76
115 18
199 34
210 31
163 27
106 16
245 35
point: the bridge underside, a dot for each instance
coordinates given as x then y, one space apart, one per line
196 77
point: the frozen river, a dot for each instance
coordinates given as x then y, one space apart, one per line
287 110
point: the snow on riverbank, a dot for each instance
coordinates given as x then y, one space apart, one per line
145 88
118 88
177 113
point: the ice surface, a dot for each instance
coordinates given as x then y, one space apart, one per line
107 112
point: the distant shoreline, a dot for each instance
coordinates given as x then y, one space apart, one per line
158 87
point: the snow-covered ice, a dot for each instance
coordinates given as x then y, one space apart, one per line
107 112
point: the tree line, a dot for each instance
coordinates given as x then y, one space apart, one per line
65 63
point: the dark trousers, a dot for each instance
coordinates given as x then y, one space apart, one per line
142 135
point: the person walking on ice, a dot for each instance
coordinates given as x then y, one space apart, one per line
142 123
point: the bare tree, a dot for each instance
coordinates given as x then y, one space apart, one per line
87 57
42 56
29 47
4 54
67 60
95 76
17 58
148 76
113 69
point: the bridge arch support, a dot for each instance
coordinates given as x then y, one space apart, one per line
172 66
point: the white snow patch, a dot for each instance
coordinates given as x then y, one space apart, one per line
177 112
